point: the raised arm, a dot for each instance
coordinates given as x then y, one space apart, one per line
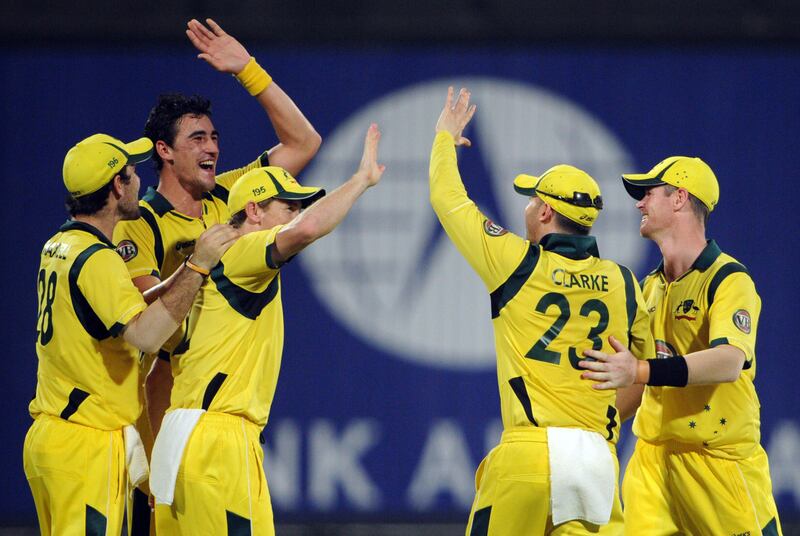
299 142
323 216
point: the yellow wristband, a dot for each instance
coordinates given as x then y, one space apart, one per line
254 78
193 267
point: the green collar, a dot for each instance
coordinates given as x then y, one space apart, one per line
570 246
158 202
74 225
703 261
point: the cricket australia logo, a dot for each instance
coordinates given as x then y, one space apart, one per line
686 310
127 250
741 319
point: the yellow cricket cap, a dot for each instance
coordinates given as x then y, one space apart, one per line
264 183
93 162
686 172
568 190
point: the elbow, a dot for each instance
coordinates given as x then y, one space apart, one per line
313 141
308 231
148 348
310 143
132 336
732 375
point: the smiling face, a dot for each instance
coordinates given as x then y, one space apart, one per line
657 210
192 158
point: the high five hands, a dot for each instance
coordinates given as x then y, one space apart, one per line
222 51
455 116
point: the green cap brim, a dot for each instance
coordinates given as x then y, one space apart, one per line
307 198
637 184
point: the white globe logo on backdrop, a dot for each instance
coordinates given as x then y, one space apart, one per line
390 274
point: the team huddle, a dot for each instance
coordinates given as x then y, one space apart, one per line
160 335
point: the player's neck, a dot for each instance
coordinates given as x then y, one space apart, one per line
104 221
680 248
184 201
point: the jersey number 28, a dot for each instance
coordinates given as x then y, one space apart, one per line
47 294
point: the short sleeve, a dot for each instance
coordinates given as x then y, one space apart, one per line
249 259
107 287
136 244
734 309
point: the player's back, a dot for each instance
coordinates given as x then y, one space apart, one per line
560 301
87 373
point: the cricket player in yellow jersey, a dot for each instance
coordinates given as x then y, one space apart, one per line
191 196
552 296
92 322
698 467
207 474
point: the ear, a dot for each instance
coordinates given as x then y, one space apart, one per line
545 213
251 210
680 199
163 150
117 187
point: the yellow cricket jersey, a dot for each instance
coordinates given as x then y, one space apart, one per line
87 373
549 302
233 357
158 242
714 303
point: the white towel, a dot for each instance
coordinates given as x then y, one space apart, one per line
135 458
582 476
168 450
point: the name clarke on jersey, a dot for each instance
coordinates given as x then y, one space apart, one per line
562 278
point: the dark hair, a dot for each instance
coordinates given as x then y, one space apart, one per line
239 218
94 202
698 207
162 123
571 227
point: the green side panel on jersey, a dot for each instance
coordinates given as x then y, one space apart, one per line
480 522
158 241
719 277
95 522
248 304
86 315
237 525
506 292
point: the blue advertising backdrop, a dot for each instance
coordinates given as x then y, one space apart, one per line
387 399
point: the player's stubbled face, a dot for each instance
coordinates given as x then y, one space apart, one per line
279 212
129 203
195 152
656 209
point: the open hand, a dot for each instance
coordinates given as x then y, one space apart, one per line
369 166
222 51
455 117
611 370
212 244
